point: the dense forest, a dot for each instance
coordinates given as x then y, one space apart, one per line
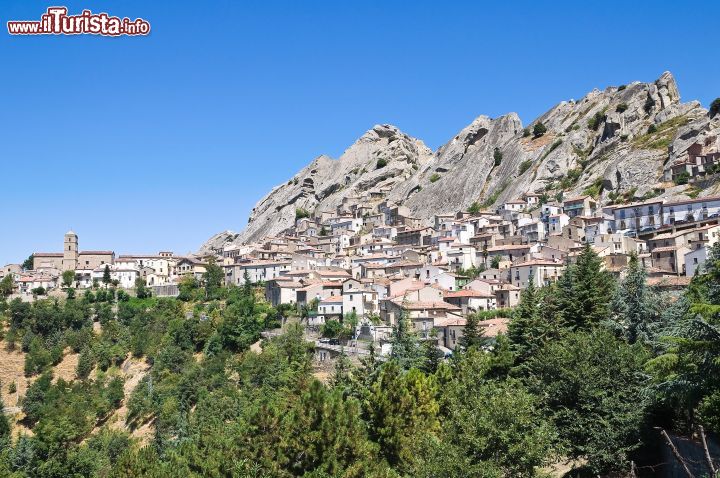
591 371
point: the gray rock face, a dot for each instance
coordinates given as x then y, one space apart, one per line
381 160
601 139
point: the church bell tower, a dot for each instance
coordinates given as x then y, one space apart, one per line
70 252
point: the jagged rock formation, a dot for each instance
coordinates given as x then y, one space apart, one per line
611 142
381 160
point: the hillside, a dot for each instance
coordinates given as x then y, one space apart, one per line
602 144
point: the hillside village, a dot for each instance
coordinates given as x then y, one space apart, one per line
371 260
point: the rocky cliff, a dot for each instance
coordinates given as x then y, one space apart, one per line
613 144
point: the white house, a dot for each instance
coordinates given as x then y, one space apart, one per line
638 217
542 271
690 210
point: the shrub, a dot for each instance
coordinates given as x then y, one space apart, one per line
497 156
381 163
301 213
526 132
682 178
649 104
524 166
434 177
621 108
714 107
474 208
594 189
652 129
570 178
552 148
621 87
539 129
661 135
596 120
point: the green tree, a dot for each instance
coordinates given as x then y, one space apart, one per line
495 262
502 424
323 434
141 289
474 208
526 330
472 333
29 263
106 275
401 407
34 401
686 373
86 362
539 129
592 384
584 290
187 287
4 425
405 344
635 304
432 356
6 286
68 278
332 328
213 279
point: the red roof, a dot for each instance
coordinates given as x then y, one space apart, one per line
468 293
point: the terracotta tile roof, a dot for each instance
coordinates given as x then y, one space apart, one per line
332 300
410 305
493 327
665 249
681 281
469 293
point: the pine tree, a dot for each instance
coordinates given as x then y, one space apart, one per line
524 330
342 376
405 344
402 407
432 356
584 291
472 335
633 303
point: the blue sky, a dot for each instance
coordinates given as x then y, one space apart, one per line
155 143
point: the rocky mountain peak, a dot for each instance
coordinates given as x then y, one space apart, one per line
615 142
